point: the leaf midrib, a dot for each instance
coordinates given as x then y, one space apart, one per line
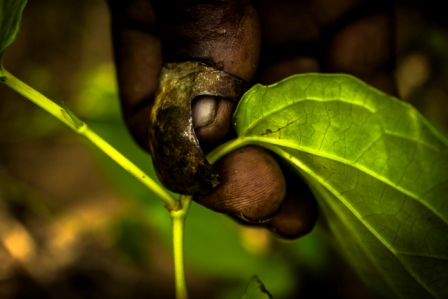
361 219
357 166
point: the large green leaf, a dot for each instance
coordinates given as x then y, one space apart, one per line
10 14
378 169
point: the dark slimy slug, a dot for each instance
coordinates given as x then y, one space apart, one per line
178 159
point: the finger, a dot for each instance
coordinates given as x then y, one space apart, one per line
347 36
138 58
364 46
223 34
298 214
252 188
289 40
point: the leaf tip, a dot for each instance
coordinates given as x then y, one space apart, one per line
256 290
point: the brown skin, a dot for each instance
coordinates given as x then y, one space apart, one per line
262 43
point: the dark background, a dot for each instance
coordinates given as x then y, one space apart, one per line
74 225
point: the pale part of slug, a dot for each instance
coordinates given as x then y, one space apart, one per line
178 159
203 111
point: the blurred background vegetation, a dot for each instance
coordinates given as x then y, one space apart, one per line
74 225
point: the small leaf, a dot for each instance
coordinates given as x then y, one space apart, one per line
256 290
10 15
378 169
76 120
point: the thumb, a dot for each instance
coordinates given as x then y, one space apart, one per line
216 45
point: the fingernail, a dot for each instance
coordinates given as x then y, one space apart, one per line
203 111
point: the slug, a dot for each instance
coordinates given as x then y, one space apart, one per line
178 159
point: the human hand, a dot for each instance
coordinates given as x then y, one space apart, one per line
257 44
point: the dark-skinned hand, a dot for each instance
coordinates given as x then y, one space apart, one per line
259 42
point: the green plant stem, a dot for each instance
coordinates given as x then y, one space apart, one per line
37 98
225 149
178 209
171 203
84 130
178 219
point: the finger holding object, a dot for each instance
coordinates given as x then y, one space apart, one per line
178 159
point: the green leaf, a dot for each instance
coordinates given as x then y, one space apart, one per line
10 14
256 290
378 169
